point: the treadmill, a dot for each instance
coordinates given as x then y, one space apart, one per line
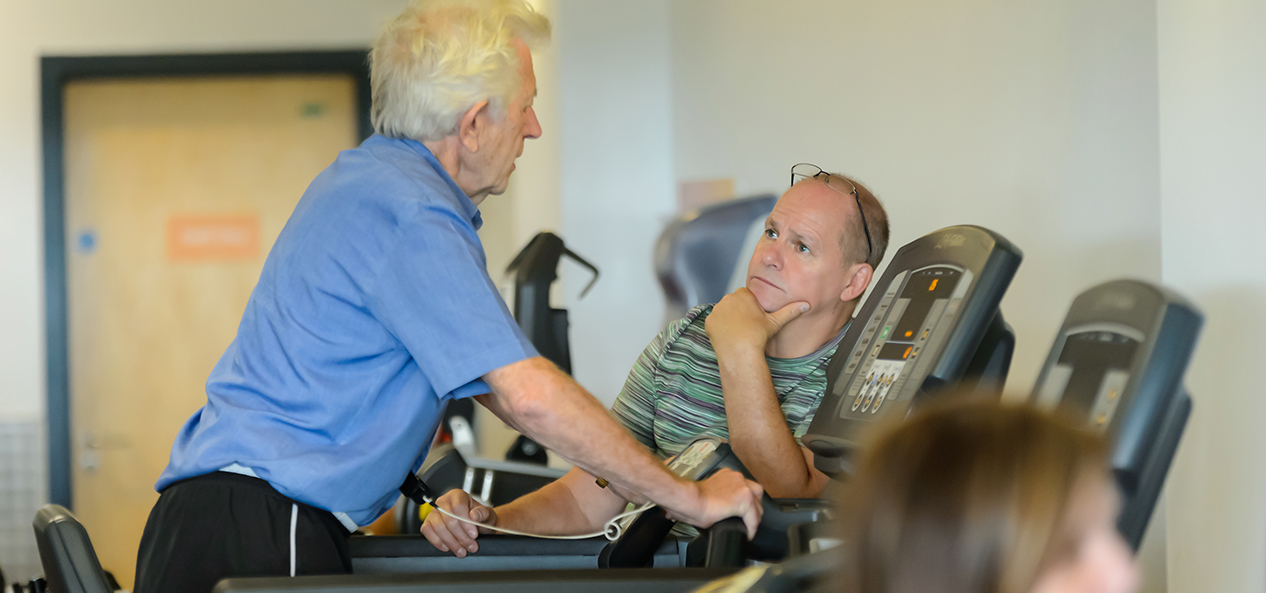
930 324
1118 361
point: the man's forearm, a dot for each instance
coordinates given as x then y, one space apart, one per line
570 505
548 406
758 428
552 510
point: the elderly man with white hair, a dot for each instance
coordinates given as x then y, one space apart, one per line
374 309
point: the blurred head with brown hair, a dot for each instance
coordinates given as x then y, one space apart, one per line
977 497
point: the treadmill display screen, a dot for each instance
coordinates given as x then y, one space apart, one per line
1091 374
924 288
906 323
895 351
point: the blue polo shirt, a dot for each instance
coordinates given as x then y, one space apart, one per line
373 310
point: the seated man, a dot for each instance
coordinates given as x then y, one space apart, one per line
761 353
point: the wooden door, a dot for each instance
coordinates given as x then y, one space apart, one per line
175 190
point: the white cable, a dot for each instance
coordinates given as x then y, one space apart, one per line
612 531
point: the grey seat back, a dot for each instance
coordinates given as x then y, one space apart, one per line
70 563
697 254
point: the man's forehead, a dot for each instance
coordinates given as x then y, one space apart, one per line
525 56
797 221
813 196
816 210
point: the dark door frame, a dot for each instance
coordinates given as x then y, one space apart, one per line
55 73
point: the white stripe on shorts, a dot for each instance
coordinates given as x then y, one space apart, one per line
294 522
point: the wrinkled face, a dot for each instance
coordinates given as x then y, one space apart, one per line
1102 562
799 257
503 142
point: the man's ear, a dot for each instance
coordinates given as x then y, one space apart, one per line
858 279
468 127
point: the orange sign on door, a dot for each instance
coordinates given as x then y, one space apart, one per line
211 237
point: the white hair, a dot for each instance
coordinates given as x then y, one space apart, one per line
440 57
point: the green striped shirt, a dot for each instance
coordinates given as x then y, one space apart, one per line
673 394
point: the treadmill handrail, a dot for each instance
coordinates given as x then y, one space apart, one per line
517 467
546 581
402 546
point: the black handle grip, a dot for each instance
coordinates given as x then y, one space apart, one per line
636 546
725 541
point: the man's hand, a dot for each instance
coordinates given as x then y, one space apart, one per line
726 494
738 321
449 534
740 330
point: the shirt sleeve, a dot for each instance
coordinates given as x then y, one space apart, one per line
635 406
802 428
435 296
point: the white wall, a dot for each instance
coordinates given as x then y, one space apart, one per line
617 185
63 27
1034 119
1213 199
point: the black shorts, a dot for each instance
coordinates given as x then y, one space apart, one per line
222 525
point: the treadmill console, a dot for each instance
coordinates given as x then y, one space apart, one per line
916 302
1119 361
919 330
1091 372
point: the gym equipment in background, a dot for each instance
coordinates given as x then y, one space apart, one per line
70 563
700 252
1119 359
534 270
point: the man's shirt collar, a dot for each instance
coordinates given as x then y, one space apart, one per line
463 201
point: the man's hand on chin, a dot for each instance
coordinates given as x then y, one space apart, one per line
739 322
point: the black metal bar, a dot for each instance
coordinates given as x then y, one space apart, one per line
52 76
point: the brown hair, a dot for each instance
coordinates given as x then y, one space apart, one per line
967 497
853 241
876 223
